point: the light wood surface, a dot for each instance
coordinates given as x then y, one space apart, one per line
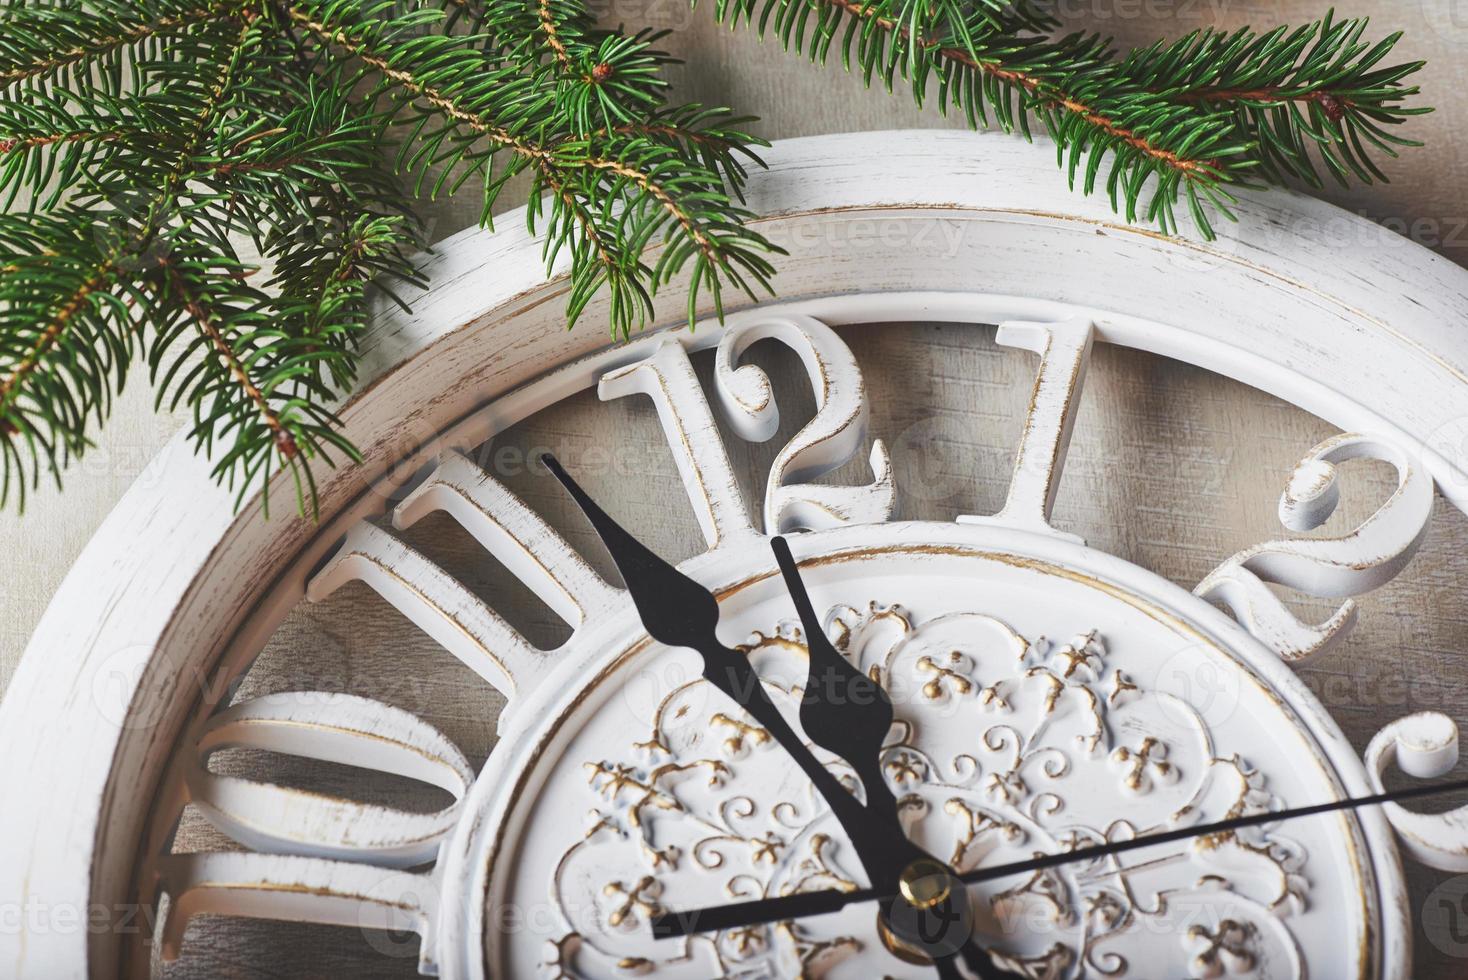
1162 453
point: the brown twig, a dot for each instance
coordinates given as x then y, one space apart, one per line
1038 87
100 278
541 157
1335 107
669 131
129 36
32 142
428 93
552 34
103 272
650 186
588 228
208 326
247 166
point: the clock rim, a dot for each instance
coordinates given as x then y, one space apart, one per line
173 579
480 848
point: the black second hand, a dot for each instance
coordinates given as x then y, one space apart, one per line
673 924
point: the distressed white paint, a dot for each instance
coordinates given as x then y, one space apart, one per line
1004 731
667 378
1065 351
510 531
437 603
829 439
1348 565
1424 745
1038 706
331 727
176 585
298 889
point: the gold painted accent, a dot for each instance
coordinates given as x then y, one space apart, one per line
925 883
1150 754
638 897
900 949
1227 949
334 729
1121 685
949 675
814 954
742 731
976 823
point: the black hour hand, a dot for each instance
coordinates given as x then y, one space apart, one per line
674 609
678 612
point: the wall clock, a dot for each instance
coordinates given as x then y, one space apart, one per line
1047 695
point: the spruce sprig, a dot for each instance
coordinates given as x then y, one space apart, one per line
142 140
1174 122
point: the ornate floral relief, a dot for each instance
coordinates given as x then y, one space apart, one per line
1221 952
1052 964
1144 765
1064 752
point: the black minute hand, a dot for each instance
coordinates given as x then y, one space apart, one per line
678 612
846 712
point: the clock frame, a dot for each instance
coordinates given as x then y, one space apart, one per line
881 227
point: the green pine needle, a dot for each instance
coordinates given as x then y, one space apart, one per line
140 140
1167 124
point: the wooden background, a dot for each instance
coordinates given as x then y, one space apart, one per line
1163 454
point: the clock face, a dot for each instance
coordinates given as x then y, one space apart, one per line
1046 698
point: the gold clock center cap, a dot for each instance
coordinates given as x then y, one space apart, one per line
925 883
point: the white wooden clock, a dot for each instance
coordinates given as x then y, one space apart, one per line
1048 695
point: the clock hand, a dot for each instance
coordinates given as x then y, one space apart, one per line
842 710
677 611
848 713
673 924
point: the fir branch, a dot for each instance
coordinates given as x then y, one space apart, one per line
35 47
56 300
552 35
208 324
45 393
481 100
143 139
165 130
1295 95
1184 119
